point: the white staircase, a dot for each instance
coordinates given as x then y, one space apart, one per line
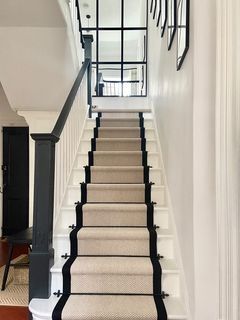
171 274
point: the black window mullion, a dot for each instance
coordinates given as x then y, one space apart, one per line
122 43
97 44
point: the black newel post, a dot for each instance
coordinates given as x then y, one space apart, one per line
88 39
41 257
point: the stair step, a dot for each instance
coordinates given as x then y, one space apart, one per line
113 241
118 158
42 308
164 242
118 111
118 144
115 193
148 123
170 273
101 174
131 193
112 275
113 132
116 174
122 122
117 214
111 214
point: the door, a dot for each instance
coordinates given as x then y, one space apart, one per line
15 179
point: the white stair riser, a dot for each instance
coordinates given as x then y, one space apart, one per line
73 195
88 134
91 123
78 176
170 283
85 146
82 160
161 218
68 218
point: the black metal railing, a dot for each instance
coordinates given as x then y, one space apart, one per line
79 22
42 255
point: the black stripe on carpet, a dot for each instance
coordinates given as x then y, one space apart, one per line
83 193
87 174
146 174
143 144
95 132
79 215
152 242
98 122
57 311
157 276
93 144
148 188
150 211
144 158
74 242
90 158
161 310
66 272
142 132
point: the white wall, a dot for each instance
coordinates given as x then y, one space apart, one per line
38 59
183 103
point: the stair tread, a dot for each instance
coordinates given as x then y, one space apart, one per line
124 152
168 265
113 233
112 265
121 110
95 205
43 308
64 232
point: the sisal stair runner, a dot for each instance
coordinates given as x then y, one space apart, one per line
113 271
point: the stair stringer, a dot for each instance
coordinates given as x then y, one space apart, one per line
177 249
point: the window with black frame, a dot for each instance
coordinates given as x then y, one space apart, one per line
119 28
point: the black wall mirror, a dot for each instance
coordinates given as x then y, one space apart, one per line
183 17
151 6
172 21
155 8
158 12
163 16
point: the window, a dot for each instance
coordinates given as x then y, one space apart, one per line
119 28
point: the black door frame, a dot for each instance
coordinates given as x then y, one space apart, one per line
7 130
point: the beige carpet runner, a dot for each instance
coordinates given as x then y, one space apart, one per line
113 271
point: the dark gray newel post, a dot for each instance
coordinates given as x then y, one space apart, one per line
88 39
41 257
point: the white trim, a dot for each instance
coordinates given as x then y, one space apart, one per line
227 156
177 250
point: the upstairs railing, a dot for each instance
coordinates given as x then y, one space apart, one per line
53 164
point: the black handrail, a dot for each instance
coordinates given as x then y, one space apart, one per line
79 22
58 128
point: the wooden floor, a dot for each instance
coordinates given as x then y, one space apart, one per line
12 313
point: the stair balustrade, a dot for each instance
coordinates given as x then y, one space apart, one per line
54 156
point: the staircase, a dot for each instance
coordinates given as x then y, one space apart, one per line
114 251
